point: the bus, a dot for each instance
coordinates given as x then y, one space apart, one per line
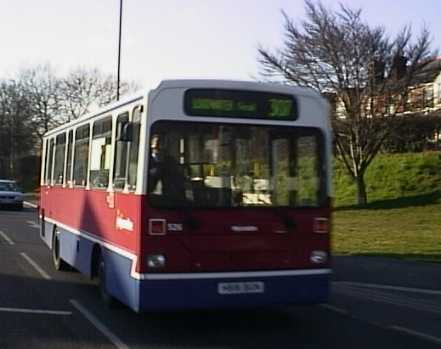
195 194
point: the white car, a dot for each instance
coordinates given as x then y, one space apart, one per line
10 194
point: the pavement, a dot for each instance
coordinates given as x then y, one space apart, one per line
380 303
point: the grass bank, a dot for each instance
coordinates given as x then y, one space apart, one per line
392 177
403 218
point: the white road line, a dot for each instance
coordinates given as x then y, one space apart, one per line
417 334
397 301
30 204
334 309
7 238
33 224
35 311
389 287
99 325
36 266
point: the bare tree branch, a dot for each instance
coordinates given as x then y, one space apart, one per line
338 53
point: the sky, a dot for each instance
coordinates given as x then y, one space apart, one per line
167 39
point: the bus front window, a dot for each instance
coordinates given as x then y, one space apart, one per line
211 165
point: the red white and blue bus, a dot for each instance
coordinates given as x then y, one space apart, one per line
196 194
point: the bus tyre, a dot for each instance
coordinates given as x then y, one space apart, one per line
105 296
59 264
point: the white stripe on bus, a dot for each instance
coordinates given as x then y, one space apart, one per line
234 275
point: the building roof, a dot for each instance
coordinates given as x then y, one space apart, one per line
428 72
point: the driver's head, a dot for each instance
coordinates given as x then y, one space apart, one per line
155 142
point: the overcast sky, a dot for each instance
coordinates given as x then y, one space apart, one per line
170 38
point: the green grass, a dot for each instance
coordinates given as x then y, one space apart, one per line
412 233
392 176
403 217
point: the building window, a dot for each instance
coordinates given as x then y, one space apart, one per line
439 93
428 97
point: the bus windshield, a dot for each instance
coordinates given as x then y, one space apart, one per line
207 165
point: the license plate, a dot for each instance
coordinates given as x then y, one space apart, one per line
240 287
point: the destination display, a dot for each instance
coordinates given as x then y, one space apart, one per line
241 104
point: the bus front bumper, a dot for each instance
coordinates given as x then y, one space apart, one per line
211 290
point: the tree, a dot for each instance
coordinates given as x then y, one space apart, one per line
85 89
16 136
42 88
339 54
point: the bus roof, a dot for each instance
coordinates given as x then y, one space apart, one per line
192 83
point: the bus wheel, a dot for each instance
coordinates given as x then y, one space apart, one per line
105 296
59 264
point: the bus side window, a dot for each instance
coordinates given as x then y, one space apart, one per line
81 155
121 152
69 159
49 160
134 148
60 151
100 153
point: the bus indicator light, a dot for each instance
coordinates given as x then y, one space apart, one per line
321 225
157 226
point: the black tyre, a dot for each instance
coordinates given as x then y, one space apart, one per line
104 294
18 207
59 264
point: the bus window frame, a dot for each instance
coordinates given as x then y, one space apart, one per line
123 189
133 190
68 176
64 158
44 163
126 189
86 186
100 119
50 162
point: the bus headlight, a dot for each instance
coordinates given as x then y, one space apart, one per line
155 261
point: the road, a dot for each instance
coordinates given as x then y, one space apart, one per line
42 308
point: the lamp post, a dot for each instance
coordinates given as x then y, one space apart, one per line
119 50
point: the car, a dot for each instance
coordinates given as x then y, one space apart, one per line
10 194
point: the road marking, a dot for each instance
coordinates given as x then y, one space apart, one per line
99 325
30 204
35 311
417 334
36 266
7 238
389 287
399 300
33 224
334 309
